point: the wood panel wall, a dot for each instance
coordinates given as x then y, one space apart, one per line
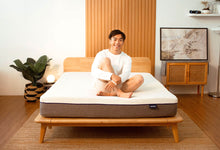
136 18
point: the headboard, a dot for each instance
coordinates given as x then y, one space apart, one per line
83 64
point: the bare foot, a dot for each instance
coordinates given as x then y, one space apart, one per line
119 94
124 95
100 93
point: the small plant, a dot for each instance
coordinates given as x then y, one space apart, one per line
206 5
32 70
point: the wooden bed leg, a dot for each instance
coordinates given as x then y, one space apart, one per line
42 132
175 132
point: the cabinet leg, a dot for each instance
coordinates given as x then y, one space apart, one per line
198 89
202 90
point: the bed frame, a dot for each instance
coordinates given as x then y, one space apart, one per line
83 64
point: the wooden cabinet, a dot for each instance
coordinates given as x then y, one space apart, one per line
187 73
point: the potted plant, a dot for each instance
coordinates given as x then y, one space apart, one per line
33 71
206 9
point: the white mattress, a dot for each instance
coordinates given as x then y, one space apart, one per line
77 88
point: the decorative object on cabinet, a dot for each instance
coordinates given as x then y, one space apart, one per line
33 71
183 44
206 9
187 73
217 93
195 12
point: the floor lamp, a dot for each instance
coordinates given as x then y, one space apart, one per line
217 93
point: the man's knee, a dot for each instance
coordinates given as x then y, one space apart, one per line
139 79
105 62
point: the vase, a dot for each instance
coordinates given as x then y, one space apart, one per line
205 11
33 93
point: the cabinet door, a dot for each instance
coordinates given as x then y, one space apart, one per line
176 73
197 73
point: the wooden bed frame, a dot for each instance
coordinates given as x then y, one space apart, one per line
83 64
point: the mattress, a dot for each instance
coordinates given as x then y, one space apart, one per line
74 95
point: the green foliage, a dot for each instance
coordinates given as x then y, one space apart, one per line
32 70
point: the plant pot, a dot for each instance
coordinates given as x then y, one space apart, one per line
205 11
33 93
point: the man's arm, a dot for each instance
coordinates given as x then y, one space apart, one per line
98 73
126 70
116 79
122 77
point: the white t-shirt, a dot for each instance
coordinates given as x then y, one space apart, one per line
120 63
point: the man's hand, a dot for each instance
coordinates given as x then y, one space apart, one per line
110 86
116 79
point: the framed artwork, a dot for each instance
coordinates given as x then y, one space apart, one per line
179 44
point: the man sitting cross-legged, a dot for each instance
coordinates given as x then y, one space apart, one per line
111 69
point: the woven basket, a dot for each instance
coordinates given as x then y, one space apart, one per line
33 93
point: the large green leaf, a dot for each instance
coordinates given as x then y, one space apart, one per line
19 64
27 76
15 67
30 72
30 61
32 68
41 63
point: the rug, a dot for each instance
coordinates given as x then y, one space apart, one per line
110 138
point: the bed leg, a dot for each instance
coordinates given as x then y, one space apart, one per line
42 132
175 132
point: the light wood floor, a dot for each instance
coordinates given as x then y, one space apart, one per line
205 112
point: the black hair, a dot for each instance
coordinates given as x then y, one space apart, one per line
116 32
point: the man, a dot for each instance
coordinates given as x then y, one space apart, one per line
112 67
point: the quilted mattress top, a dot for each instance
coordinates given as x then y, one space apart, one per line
77 88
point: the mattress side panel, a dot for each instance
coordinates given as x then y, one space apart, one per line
107 111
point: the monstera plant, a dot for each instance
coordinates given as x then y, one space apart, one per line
33 71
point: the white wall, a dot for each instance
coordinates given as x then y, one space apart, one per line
31 28
173 13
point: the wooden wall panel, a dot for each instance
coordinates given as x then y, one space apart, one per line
136 18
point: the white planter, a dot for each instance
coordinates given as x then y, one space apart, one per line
205 11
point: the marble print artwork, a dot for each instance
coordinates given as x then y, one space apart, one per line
177 44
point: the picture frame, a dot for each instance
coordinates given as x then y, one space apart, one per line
183 44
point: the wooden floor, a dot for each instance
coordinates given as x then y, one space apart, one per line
14 111
205 112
